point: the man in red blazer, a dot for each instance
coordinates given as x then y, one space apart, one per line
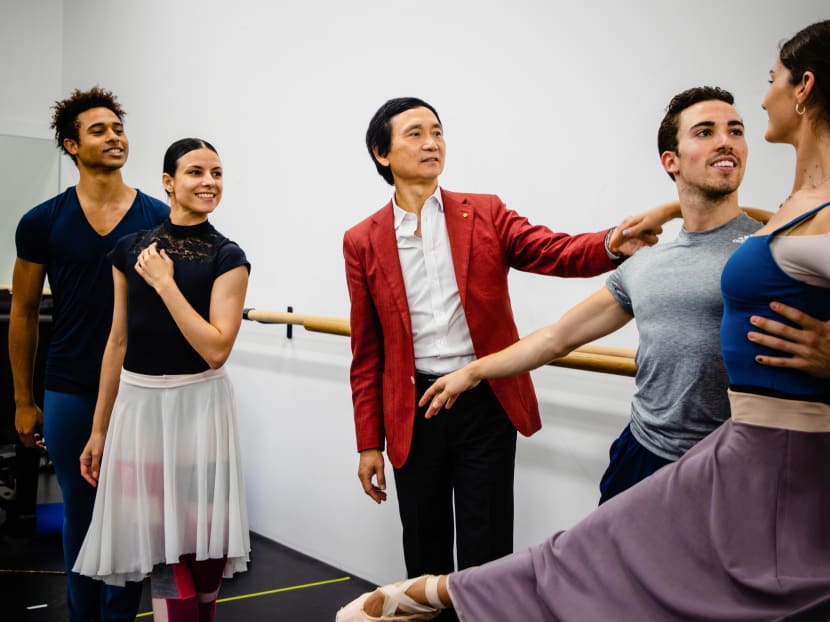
427 278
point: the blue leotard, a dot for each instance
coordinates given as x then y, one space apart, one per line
57 234
752 279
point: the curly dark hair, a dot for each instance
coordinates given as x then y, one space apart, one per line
65 115
667 134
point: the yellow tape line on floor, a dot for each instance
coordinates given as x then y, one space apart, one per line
267 592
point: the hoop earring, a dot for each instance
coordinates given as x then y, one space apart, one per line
801 112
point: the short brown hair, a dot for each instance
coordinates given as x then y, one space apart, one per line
667 134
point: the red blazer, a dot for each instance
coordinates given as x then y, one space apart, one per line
486 240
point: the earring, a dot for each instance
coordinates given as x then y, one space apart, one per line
803 109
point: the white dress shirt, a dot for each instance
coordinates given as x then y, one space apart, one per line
439 329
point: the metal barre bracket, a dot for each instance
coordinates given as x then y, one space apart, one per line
289 327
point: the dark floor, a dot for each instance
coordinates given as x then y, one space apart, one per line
280 585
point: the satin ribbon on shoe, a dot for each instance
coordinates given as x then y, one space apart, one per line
397 606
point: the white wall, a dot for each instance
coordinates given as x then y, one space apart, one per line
30 73
552 105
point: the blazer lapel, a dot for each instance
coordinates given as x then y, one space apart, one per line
385 247
459 216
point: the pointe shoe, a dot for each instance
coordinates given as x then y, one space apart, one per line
397 606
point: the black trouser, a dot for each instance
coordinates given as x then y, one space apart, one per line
469 451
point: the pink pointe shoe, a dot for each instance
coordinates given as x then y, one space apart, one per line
397 606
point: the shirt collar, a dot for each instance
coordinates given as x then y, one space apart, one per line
400 213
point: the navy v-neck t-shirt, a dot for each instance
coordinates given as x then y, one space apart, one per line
57 234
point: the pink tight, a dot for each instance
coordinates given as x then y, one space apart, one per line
186 591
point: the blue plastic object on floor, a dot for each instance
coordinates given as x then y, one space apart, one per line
49 518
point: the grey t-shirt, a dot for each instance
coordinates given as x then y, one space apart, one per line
673 292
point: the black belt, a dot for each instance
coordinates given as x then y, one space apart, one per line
422 381
423 378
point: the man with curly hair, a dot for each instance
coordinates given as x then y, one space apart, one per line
67 239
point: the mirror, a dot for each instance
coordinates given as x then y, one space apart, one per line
29 174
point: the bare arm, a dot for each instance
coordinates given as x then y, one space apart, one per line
761 215
24 320
596 316
111 365
642 229
212 339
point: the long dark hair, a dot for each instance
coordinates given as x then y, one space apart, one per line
809 50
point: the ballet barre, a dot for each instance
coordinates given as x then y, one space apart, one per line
5 287
313 323
604 359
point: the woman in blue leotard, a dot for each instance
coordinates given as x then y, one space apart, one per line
738 528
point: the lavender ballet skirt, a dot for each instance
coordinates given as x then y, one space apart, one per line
738 529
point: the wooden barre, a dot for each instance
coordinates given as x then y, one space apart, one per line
579 359
624 353
314 323
605 359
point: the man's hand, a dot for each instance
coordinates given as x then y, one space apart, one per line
808 343
28 421
371 466
91 458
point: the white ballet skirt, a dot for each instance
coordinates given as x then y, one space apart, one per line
171 479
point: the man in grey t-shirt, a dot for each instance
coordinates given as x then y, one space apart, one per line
673 291
674 296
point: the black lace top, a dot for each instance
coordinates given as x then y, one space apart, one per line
200 254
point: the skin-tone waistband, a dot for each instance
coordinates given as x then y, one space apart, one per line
775 412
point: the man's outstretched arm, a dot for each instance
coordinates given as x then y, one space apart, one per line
598 315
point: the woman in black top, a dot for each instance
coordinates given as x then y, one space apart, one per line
163 450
